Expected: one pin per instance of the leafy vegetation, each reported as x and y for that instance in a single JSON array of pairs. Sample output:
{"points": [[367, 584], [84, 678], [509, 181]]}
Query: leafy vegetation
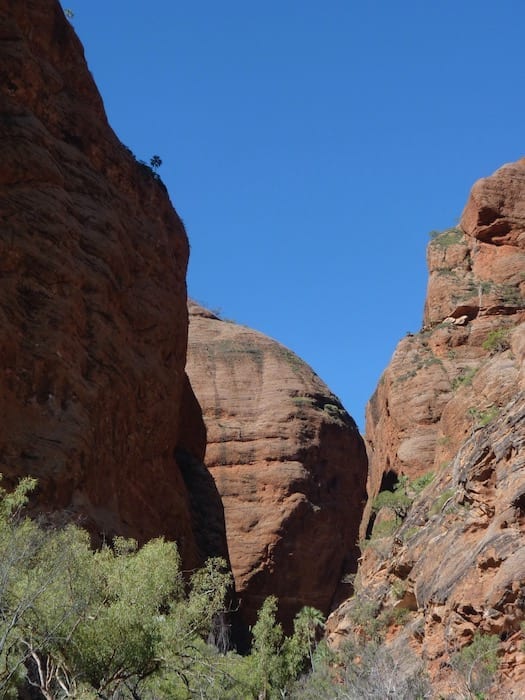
{"points": [[419, 361], [497, 341], [386, 528], [445, 238], [482, 417], [123, 622], [410, 532], [477, 663], [397, 500], [421, 482], [155, 162], [506, 294], [151, 169], [439, 504], [364, 670], [464, 378], [79, 623], [399, 588], [402, 496]]}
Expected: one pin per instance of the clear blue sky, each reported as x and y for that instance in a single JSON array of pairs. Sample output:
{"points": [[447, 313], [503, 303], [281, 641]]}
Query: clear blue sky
{"points": [[310, 147]]}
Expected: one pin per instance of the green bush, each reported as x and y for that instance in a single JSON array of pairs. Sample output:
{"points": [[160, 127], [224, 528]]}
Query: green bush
{"points": [[410, 532], [421, 482], [477, 663], [483, 417], [437, 506], [397, 500], [497, 341], [122, 622], [445, 238], [385, 528], [368, 670], [76, 622], [464, 378], [394, 616], [401, 498], [365, 615], [399, 588]]}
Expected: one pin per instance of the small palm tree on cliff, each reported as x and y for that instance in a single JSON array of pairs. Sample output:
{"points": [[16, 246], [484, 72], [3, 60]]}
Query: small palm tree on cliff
{"points": [[155, 162]]}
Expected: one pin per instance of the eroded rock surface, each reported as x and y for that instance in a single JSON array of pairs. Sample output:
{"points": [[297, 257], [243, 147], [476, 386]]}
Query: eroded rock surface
{"points": [[459, 368], [451, 404], [92, 298], [288, 462]]}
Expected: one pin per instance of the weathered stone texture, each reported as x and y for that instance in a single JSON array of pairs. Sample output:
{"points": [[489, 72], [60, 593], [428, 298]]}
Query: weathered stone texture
{"points": [[452, 403], [92, 297], [426, 402], [288, 462]]}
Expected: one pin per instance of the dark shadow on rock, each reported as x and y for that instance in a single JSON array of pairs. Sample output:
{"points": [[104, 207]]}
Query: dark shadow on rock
{"points": [[207, 514]]}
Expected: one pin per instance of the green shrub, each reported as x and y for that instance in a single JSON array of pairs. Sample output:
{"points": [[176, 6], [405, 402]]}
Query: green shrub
{"points": [[421, 482], [497, 341], [396, 500], [445, 238], [365, 615], [464, 378], [385, 528], [438, 505], [398, 588], [121, 622], [303, 400], [409, 533], [477, 663], [400, 499], [483, 417], [394, 616], [510, 294], [408, 375]]}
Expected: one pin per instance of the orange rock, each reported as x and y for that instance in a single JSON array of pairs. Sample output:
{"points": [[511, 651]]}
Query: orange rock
{"points": [[452, 402], [444, 379], [288, 462], [92, 298]]}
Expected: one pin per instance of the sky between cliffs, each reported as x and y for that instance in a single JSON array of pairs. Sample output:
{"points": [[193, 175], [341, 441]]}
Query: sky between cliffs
{"points": [[310, 147]]}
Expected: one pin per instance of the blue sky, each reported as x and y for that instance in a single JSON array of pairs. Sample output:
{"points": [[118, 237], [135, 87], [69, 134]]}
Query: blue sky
{"points": [[310, 147]]}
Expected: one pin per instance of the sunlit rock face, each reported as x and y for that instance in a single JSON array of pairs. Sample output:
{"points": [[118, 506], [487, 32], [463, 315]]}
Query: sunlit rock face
{"points": [[288, 462], [451, 403], [420, 413]]}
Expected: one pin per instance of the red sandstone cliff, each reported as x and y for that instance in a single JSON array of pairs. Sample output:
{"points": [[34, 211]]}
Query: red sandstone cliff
{"points": [[452, 404], [441, 379], [92, 302], [288, 462]]}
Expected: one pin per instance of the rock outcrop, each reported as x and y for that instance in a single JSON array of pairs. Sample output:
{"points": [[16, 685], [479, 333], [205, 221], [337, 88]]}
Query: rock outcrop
{"points": [[92, 300], [450, 410], [288, 462], [443, 380]]}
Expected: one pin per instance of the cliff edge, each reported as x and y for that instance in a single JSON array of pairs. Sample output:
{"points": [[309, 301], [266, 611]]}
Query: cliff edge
{"points": [[442, 536], [93, 395]]}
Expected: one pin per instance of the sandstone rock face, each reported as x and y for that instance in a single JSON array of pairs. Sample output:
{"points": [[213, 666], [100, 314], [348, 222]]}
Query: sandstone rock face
{"points": [[288, 462], [457, 562], [92, 298], [441, 378], [452, 404]]}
